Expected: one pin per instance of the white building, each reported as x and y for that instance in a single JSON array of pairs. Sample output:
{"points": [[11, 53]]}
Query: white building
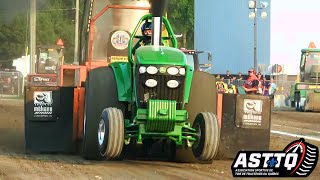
{"points": [[22, 64]]}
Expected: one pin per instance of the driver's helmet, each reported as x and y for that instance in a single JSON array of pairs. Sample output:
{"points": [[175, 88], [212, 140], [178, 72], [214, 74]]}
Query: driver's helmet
{"points": [[146, 29]]}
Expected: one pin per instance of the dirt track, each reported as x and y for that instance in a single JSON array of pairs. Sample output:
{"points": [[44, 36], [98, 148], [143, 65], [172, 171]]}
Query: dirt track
{"points": [[14, 164]]}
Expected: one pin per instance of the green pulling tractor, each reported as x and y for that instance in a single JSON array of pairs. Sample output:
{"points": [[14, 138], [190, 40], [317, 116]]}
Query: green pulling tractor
{"points": [[143, 101], [305, 94]]}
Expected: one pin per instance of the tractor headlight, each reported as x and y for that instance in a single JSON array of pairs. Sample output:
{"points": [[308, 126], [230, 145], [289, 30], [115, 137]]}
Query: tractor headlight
{"points": [[152, 70], [173, 70], [173, 84], [151, 83], [182, 71], [142, 69]]}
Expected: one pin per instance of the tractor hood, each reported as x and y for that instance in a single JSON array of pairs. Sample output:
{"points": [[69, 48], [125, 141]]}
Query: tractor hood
{"points": [[160, 55]]}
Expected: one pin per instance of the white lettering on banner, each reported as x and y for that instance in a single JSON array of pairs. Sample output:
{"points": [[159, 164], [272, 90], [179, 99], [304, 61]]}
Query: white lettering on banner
{"points": [[39, 79], [254, 160]]}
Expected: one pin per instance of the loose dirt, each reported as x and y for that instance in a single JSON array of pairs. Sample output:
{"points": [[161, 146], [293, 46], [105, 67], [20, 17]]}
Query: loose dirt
{"points": [[15, 164]]}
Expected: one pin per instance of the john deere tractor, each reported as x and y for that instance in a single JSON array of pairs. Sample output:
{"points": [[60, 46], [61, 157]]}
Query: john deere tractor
{"points": [[123, 100], [148, 100], [305, 94]]}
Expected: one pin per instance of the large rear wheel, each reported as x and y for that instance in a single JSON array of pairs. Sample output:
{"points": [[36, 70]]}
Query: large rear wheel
{"points": [[101, 92], [208, 131]]}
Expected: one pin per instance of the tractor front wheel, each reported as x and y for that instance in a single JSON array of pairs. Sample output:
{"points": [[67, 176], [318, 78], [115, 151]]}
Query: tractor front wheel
{"points": [[111, 133], [205, 148]]}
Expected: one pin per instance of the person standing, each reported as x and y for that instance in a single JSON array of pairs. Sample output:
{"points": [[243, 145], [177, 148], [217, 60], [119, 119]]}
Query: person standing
{"points": [[273, 87], [239, 77], [228, 76], [252, 83], [266, 86]]}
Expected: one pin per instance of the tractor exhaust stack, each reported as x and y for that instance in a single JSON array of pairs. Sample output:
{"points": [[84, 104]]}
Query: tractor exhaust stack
{"points": [[158, 9]]}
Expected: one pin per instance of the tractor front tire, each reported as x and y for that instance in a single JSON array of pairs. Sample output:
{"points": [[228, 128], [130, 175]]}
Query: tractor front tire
{"points": [[205, 148], [111, 133]]}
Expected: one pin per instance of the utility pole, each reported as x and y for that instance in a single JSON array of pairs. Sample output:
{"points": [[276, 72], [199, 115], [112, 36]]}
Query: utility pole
{"points": [[255, 37], [253, 15], [76, 34], [33, 17]]}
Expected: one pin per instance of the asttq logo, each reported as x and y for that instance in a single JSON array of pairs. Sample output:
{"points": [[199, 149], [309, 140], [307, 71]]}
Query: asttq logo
{"points": [[298, 159]]}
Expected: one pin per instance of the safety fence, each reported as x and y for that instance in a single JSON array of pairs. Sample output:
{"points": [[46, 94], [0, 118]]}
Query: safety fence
{"points": [[11, 84]]}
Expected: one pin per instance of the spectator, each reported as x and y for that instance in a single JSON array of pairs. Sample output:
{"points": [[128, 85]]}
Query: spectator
{"points": [[228, 76], [232, 80], [266, 86], [260, 88], [252, 83], [239, 77], [220, 88], [272, 91], [273, 87]]}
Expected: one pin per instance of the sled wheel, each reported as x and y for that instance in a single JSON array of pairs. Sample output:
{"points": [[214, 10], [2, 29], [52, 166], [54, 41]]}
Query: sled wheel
{"points": [[111, 133], [205, 148]]}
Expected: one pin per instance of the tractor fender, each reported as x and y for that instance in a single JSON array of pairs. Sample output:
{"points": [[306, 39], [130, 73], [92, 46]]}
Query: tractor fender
{"points": [[123, 75]]}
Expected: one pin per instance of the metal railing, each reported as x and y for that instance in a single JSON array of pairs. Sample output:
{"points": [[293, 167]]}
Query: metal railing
{"points": [[11, 84]]}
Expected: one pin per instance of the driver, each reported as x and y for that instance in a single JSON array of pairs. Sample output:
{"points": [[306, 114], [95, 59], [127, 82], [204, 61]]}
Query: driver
{"points": [[146, 30]]}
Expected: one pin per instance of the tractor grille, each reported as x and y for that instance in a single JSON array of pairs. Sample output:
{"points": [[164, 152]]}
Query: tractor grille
{"points": [[161, 91]]}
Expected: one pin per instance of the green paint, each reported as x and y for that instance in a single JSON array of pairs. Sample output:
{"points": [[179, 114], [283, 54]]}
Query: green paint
{"points": [[175, 127], [305, 85], [148, 17], [123, 76], [161, 55], [161, 115], [161, 118]]}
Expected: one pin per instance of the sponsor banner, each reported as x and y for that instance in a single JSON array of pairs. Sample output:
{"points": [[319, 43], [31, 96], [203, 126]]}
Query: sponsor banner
{"points": [[42, 101]]}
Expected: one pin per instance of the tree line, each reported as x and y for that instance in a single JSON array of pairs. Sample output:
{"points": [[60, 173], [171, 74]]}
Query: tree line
{"points": [[55, 19]]}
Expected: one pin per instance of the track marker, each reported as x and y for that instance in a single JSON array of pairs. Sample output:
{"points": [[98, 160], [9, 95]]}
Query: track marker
{"points": [[295, 135], [302, 129]]}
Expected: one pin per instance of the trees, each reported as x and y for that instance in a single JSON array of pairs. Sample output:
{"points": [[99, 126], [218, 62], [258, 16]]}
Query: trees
{"points": [[12, 38], [54, 21], [181, 16]]}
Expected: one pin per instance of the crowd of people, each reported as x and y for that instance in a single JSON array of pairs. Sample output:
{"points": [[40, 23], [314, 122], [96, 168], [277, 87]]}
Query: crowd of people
{"points": [[256, 83], [253, 83]]}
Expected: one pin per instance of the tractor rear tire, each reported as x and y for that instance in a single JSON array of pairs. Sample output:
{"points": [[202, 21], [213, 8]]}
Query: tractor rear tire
{"points": [[111, 133], [101, 92], [202, 98], [208, 130]]}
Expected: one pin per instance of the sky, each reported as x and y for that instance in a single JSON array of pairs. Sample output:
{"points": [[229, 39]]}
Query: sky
{"points": [[294, 23]]}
